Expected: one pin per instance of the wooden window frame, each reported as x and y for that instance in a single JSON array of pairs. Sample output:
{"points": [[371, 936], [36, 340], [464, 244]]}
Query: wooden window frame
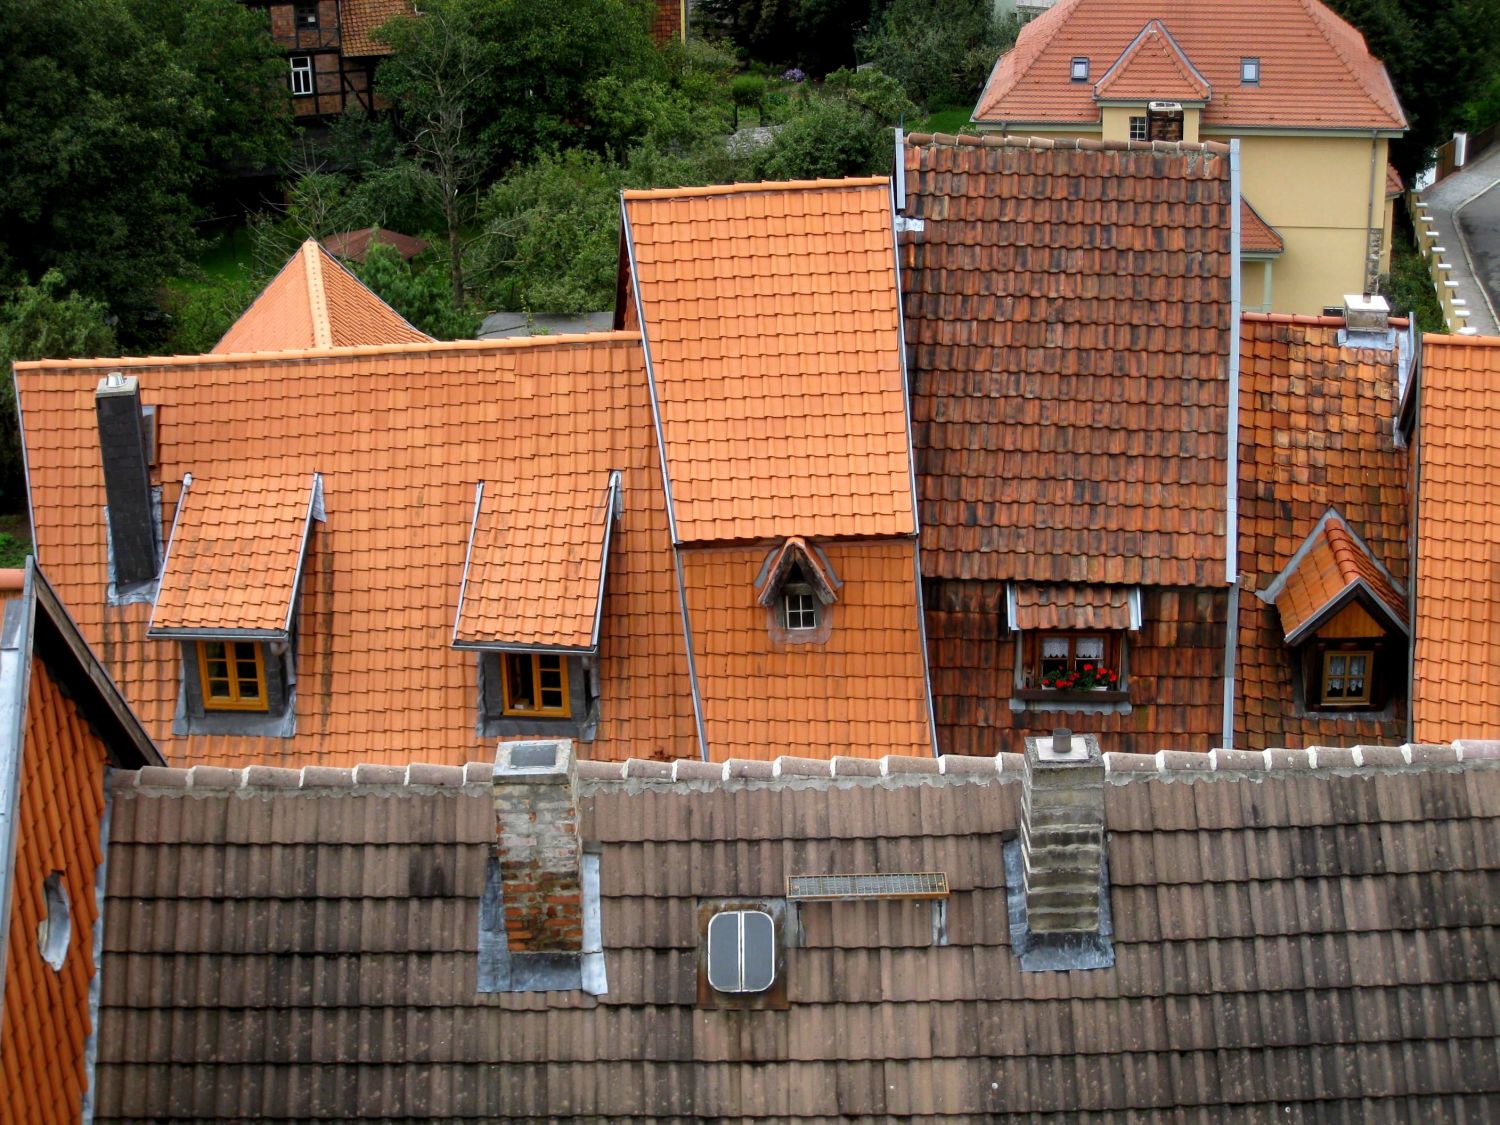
{"points": [[1032, 648], [307, 69], [237, 699], [565, 711], [1362, 702], [297, 12]]}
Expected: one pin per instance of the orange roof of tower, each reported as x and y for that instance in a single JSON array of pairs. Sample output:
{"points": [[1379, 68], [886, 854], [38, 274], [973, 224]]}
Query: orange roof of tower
{"points": [[314, 302]]}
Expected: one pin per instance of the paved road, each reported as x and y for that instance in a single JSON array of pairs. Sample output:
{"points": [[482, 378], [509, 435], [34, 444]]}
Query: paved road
{"points": [[1466, 212], [1479, 220]]}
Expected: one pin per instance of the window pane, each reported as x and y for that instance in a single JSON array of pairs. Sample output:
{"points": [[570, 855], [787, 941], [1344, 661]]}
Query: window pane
{"points": [[760, 951], [1090, 649], [724, 951], [1336, 665], [520, 689], [218, 689]]}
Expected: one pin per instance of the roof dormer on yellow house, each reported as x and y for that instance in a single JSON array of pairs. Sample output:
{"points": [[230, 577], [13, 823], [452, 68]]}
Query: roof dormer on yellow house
{"points": [[1312, 109]]}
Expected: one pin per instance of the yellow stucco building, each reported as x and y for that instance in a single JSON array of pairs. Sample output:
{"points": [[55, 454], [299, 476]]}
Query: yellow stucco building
{"points": [[1312, 109]]}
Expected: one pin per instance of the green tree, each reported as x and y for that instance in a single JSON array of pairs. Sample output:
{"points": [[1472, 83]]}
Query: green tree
{"points": [[1439, 53], [418, 292], [845, 130], [110, 135], [940, 52], [42, 321], [438, 75]]}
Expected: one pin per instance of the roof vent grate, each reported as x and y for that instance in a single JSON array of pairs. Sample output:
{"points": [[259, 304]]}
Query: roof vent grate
{"points": [[914, 884]]}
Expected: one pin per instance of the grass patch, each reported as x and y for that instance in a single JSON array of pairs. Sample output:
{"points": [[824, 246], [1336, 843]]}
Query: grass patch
{"points": [[948, 119]]}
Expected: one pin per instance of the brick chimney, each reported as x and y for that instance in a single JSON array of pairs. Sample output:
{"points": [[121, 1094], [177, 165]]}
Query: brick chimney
{"points": [[536, 843], [1062, 834], [127, 479]]}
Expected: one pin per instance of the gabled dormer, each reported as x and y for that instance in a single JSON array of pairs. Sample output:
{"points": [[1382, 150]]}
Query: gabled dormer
{"points": [[1344, 619], [798, 588]]}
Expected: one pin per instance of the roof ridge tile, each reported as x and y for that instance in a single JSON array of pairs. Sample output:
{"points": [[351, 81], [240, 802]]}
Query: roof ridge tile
{"points": [[694, 775]]}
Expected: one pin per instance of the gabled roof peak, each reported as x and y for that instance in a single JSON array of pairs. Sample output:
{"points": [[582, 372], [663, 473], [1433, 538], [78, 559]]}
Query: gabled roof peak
{"points": [[1153, 66], [314, 302]]}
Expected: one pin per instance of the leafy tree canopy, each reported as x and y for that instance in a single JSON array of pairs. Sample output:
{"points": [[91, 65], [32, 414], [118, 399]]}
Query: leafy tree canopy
{"points": [[42, 321], [116, 123], [939, 51], [1439, 53]]}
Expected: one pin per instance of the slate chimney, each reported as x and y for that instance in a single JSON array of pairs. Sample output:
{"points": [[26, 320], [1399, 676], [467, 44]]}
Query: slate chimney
{"points": [[1062, 834], [127, 479], [536, 843]]}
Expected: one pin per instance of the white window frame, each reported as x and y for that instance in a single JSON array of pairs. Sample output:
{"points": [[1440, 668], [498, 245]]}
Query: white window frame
{"points": [[799, 609], [730, 925], [303, 82], [1140, 128]]}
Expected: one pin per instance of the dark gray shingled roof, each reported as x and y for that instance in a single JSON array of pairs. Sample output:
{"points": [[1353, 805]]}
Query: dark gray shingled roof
{"points": [[1298, 937]]}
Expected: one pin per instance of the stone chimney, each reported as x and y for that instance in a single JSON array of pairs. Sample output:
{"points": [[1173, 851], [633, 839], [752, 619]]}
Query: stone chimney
{"points": [[127, 479], [1062, 834], [536, 843]]}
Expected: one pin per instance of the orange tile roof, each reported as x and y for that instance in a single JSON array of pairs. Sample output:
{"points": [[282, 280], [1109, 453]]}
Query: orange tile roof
{"points": [[1331, 563], [401, 435], [1040, 606], [537, 559], [314, 302], [1315, 70], [362, 18], [1256, 235], [1458, 512], [1315, 433], [1153, 67], [772, 325], [865, 687], [1070, 397], [234, 558], [1393, 184]]}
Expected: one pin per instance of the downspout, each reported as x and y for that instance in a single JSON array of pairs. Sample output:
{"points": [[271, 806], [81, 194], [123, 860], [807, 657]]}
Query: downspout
{"points": [[1372, 268], [666, 482], [898, 205], [1232, 482]]}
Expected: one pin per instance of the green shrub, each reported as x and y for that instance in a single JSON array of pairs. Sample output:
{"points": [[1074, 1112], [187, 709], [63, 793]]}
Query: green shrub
{"points": [[939, 51], [418, 290], [13, 551]]}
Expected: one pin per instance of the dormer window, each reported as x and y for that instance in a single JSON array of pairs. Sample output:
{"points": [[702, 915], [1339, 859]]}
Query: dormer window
{"points": [[536, 684], [798, 588], [1347, 678], [1078, 69], [231, 594], [1344, 619], [1071, 643], [1250, 72], [232, 675], [799, 608]]}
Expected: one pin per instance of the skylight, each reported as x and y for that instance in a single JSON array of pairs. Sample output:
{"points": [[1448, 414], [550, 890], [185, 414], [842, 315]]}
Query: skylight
{"points": [[1250, 71], [1079, 69]]}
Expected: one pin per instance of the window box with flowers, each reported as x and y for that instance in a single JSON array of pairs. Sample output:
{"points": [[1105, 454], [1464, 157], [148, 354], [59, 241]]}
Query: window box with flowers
{"points": [[1072, 667]]}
